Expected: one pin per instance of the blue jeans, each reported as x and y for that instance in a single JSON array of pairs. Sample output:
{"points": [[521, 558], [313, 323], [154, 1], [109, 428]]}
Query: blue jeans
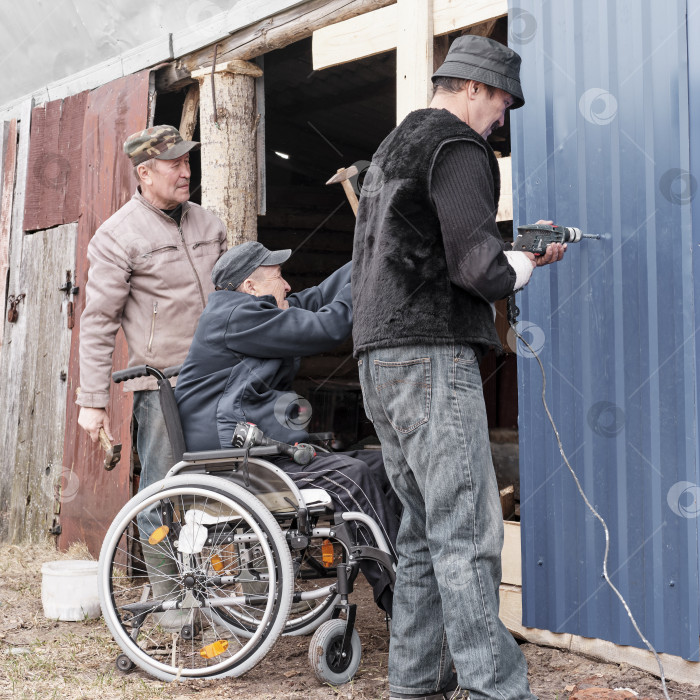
{"points": [[427, 406], [153, 447]]}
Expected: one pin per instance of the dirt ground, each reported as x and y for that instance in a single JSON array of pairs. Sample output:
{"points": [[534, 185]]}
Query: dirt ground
{"points": [[47, 660]]}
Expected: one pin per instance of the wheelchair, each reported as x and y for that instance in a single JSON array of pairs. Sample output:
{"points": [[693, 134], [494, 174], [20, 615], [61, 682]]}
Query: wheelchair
{"points": [[200, 573]]}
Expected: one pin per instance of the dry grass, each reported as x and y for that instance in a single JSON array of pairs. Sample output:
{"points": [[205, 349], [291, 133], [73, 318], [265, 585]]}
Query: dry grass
{"points": [[49, 660]]}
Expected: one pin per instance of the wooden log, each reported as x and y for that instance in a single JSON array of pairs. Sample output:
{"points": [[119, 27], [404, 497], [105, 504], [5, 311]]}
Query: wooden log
{"points": [[229, 150], [280, 30], [414, 56], [188, 122]]}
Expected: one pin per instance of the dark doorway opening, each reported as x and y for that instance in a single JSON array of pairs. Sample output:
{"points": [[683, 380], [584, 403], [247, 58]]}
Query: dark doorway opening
{"points": [[315, 123]]}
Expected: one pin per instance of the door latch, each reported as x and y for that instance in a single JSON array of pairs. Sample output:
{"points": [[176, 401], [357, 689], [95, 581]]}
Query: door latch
{"points": [[14, 301]]}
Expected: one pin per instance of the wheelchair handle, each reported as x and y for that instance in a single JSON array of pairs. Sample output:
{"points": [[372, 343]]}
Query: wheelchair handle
{"points": [[124, 375]]}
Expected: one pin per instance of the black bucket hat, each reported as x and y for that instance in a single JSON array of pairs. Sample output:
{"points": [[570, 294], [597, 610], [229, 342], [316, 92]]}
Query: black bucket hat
{"points": [[474, 57], [238, 263]]}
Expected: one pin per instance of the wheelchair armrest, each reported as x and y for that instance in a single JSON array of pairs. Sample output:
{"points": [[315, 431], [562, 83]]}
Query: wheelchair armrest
{"points": [[212, 455]]}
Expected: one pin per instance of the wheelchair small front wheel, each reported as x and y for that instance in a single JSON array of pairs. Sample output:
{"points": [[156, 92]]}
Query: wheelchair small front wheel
{"points": [[326, 656]]}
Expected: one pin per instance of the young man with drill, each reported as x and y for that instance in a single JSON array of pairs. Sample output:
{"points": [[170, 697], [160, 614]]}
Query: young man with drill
{"points": [[428, 262]]}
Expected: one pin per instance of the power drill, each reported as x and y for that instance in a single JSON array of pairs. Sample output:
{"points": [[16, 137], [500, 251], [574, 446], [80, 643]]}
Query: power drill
{"points": [[247, 435], [535, 238]]}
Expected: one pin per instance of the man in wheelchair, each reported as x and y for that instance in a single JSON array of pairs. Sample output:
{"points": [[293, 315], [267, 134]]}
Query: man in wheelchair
{"points": [[240, 367]]}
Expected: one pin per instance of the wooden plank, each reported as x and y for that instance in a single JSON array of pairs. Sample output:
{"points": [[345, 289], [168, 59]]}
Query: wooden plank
{"points": [[113, 112], [8, 190], [511, 554], [505, 203], [281, 30], [11, 358], [260, 138], [190, 110], [32, 466], [374, 33], [452, 15], [53, 185], [675, 668], [414, 56], [507, 496], [359, 37]]}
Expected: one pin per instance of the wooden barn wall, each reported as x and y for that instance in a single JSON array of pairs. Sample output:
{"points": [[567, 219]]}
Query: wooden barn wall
{"points": [[31, 470], [14, 334], [53, 176], [9, 161], [113, 112]]}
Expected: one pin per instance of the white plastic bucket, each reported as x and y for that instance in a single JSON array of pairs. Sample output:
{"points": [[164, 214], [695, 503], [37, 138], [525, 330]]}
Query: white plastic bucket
{"points": [[69, 589]]}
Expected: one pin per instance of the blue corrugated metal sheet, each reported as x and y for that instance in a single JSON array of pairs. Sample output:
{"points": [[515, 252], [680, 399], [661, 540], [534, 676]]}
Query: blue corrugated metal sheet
{"points": [[603, 143], [693, 14]]}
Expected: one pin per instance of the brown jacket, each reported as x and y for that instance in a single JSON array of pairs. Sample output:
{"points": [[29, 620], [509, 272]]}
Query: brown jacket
{"points": [[152, 279]]}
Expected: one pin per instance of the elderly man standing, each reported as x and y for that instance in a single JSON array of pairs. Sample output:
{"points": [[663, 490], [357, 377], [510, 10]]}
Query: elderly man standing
{"points": [[243, 359], [428, 261], [150, 273]]}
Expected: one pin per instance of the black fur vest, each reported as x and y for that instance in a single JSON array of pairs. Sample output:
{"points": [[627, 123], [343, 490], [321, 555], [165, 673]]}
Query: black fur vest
{"points": [[400, 288]]}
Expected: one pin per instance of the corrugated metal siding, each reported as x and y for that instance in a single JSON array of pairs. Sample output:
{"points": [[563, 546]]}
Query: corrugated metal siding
{"points": [[693, 30], [603, 144]]}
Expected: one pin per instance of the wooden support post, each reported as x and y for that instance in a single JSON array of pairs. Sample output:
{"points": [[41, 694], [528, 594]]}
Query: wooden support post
{"points": [[229, 161], [414, 56], [188, 122]]}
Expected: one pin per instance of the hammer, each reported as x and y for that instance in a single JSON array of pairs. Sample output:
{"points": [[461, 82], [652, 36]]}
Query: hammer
{"points": [[112, 452], [343, 176]]}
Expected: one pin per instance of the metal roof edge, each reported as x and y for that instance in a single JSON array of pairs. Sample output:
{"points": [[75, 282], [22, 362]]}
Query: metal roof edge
{"points": [[164, 48]]}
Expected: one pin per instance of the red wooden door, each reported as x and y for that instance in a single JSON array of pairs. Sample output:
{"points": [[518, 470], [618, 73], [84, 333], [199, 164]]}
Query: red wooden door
{"points": [[113, 112]]}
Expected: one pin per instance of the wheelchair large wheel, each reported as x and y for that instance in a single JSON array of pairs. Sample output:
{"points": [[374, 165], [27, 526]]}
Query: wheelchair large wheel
{"points": [[168, 591]]}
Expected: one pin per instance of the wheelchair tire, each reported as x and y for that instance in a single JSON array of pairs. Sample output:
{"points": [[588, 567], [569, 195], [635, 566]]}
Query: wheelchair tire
{"points": [[325, 653], [235, 524]]}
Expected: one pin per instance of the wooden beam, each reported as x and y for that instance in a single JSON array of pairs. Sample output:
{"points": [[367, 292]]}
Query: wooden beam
{"points": [[675, 668], [188, 122], [505, 203], [360, 37], [370, 34], [171, 78], [414, 56], [452, 15], [281, 30]]}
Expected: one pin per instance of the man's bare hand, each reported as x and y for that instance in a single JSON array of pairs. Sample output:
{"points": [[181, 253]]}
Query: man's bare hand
{"points": [[92, 419], [554, 253]]}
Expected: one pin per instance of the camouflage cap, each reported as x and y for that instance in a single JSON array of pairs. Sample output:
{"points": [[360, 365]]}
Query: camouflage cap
{"points": [[163, 142]]}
